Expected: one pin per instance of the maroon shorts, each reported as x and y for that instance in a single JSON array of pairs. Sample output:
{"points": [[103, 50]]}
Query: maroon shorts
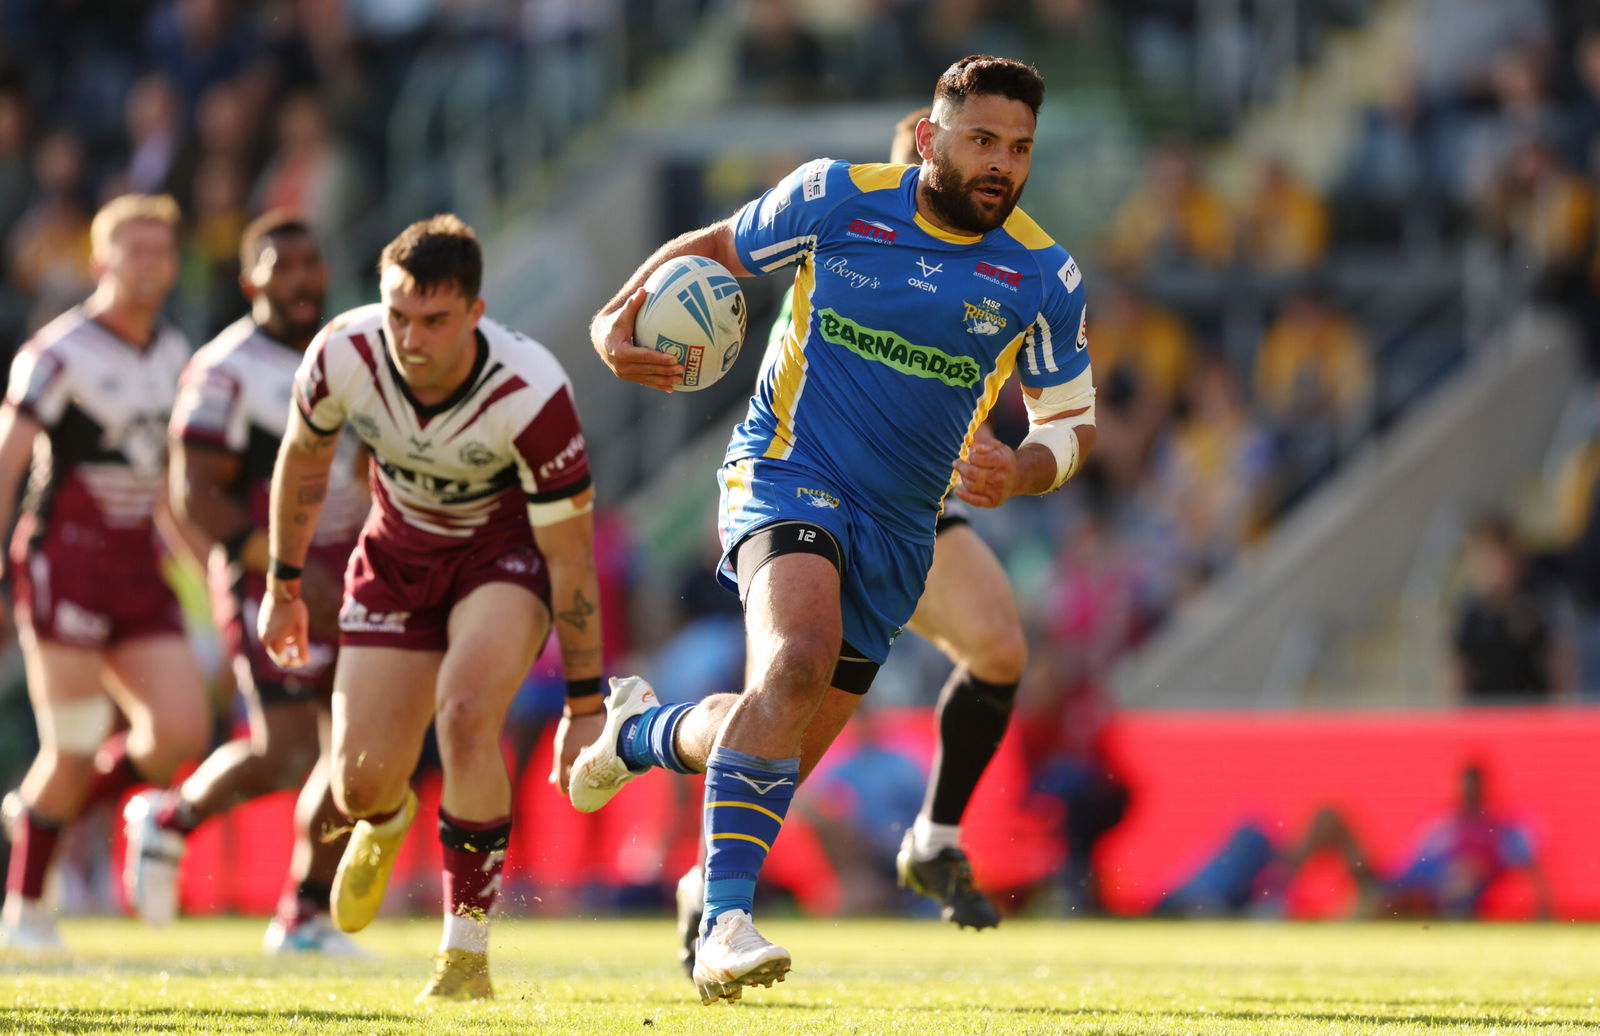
{"points": [[238, 604], [394, 597], [80, 598]]}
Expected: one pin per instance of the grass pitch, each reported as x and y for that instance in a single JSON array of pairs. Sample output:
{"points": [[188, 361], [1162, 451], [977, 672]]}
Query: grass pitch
{"points": [[852, 977]]}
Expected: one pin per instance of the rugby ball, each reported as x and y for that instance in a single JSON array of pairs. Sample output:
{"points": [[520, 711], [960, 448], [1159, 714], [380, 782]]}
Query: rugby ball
{"points": [[695, 313]]}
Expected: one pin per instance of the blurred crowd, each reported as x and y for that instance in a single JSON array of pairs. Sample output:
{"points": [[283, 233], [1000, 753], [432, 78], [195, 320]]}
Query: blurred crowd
{"points": [[319, 106], [1210, 428]]}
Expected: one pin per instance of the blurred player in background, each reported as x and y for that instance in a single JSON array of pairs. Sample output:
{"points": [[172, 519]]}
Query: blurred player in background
{"points": [[833, 485], [100, 629], [229, 419], [968, 612], [481, 540]]}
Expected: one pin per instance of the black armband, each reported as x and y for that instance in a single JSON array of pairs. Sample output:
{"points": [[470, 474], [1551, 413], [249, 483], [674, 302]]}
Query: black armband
{"points": [[284, 571], [583, 688]]}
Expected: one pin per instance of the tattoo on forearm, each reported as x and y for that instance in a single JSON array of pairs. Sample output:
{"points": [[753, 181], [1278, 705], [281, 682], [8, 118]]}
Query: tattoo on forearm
{"points": [[312, 492], [578, 615]]}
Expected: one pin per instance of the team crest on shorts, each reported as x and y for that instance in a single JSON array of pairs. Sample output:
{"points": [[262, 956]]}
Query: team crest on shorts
{"points": [[816, 497]]}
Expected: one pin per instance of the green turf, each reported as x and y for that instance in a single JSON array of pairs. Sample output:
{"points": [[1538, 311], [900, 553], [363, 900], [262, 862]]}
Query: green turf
{"points": [[856, 977]]}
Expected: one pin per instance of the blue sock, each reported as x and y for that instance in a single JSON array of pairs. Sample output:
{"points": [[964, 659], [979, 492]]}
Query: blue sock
{"points": [[746, 798], [646, 740]]}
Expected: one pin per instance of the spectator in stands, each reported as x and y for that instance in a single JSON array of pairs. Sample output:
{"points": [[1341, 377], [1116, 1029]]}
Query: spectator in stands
{"points": [[1505, 645], [1384, 189], [195, 43], [1543, 215], [1284, 227], [155, 135], [1576, 532], [47, 250], [310, 173], [1146, 355], [779, 59], [1173, 218], [1457, 41], [1210, 477], [1314, 384], [16, 187], [1583, 127], [1459, 857]]}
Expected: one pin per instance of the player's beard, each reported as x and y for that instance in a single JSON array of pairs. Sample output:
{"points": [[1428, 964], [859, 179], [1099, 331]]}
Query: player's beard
{"points": [[951, 197], [296, 331]]}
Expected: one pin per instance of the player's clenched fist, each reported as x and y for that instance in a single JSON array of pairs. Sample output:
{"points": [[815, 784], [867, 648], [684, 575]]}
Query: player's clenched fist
{"points": [[284, 626]]}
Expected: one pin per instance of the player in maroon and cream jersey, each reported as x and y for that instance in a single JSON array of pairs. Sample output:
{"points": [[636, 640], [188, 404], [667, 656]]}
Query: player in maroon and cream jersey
{"points": [[229, 419], [88, 403], [481, 540]]}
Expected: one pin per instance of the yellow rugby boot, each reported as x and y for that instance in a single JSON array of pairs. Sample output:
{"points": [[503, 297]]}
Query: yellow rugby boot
{"points": [[364, 870], [457, 975]]}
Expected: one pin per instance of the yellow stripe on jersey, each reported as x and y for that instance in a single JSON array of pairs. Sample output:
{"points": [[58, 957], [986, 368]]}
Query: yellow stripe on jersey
{"points": [[737, 478], [1003, 366], [1027, 233], [944, 235], [789, 371], [877, 176]]}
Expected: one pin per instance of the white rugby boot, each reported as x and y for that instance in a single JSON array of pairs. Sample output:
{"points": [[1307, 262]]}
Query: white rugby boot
{"points": [[28, 928], [315, 935], [734, 955], [150, 868], [599, 772]]}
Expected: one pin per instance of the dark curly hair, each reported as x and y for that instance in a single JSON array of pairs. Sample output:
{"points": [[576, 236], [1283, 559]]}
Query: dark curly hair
{"points": [[987, 74]]}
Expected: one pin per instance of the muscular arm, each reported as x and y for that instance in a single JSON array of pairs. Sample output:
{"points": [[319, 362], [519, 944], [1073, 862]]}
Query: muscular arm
{"points": [[201, 491], [299, 488], [568, 548], [993, 473], [611, 330]]}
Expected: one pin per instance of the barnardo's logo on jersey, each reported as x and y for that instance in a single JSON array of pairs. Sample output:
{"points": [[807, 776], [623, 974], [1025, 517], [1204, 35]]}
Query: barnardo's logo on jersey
{"points": [[983, 318], [872, 230], [839, 267], [477, 454], [1083, 328], [1002, 275], [891, 350], [816, 497]]}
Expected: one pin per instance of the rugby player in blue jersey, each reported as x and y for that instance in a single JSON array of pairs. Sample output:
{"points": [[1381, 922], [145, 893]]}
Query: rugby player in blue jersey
{"points": [[968, 612], [917, 291]]}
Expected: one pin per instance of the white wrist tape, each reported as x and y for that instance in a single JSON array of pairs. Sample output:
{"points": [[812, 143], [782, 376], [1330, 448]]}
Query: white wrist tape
{"points": [[1059, 435]]}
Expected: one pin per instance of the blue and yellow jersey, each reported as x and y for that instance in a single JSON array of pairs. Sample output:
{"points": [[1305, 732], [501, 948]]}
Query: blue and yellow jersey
{"points": [[902, 333]]}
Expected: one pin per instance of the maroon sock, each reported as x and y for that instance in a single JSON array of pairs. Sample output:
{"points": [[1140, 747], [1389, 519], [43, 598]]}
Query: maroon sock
{"points": [[300, 901], [114, 772], [474, 854], [174, 814], [33, 846]]}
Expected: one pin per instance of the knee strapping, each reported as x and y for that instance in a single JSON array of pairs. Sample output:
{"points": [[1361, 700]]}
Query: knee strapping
{"points": [[75, 727]]}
